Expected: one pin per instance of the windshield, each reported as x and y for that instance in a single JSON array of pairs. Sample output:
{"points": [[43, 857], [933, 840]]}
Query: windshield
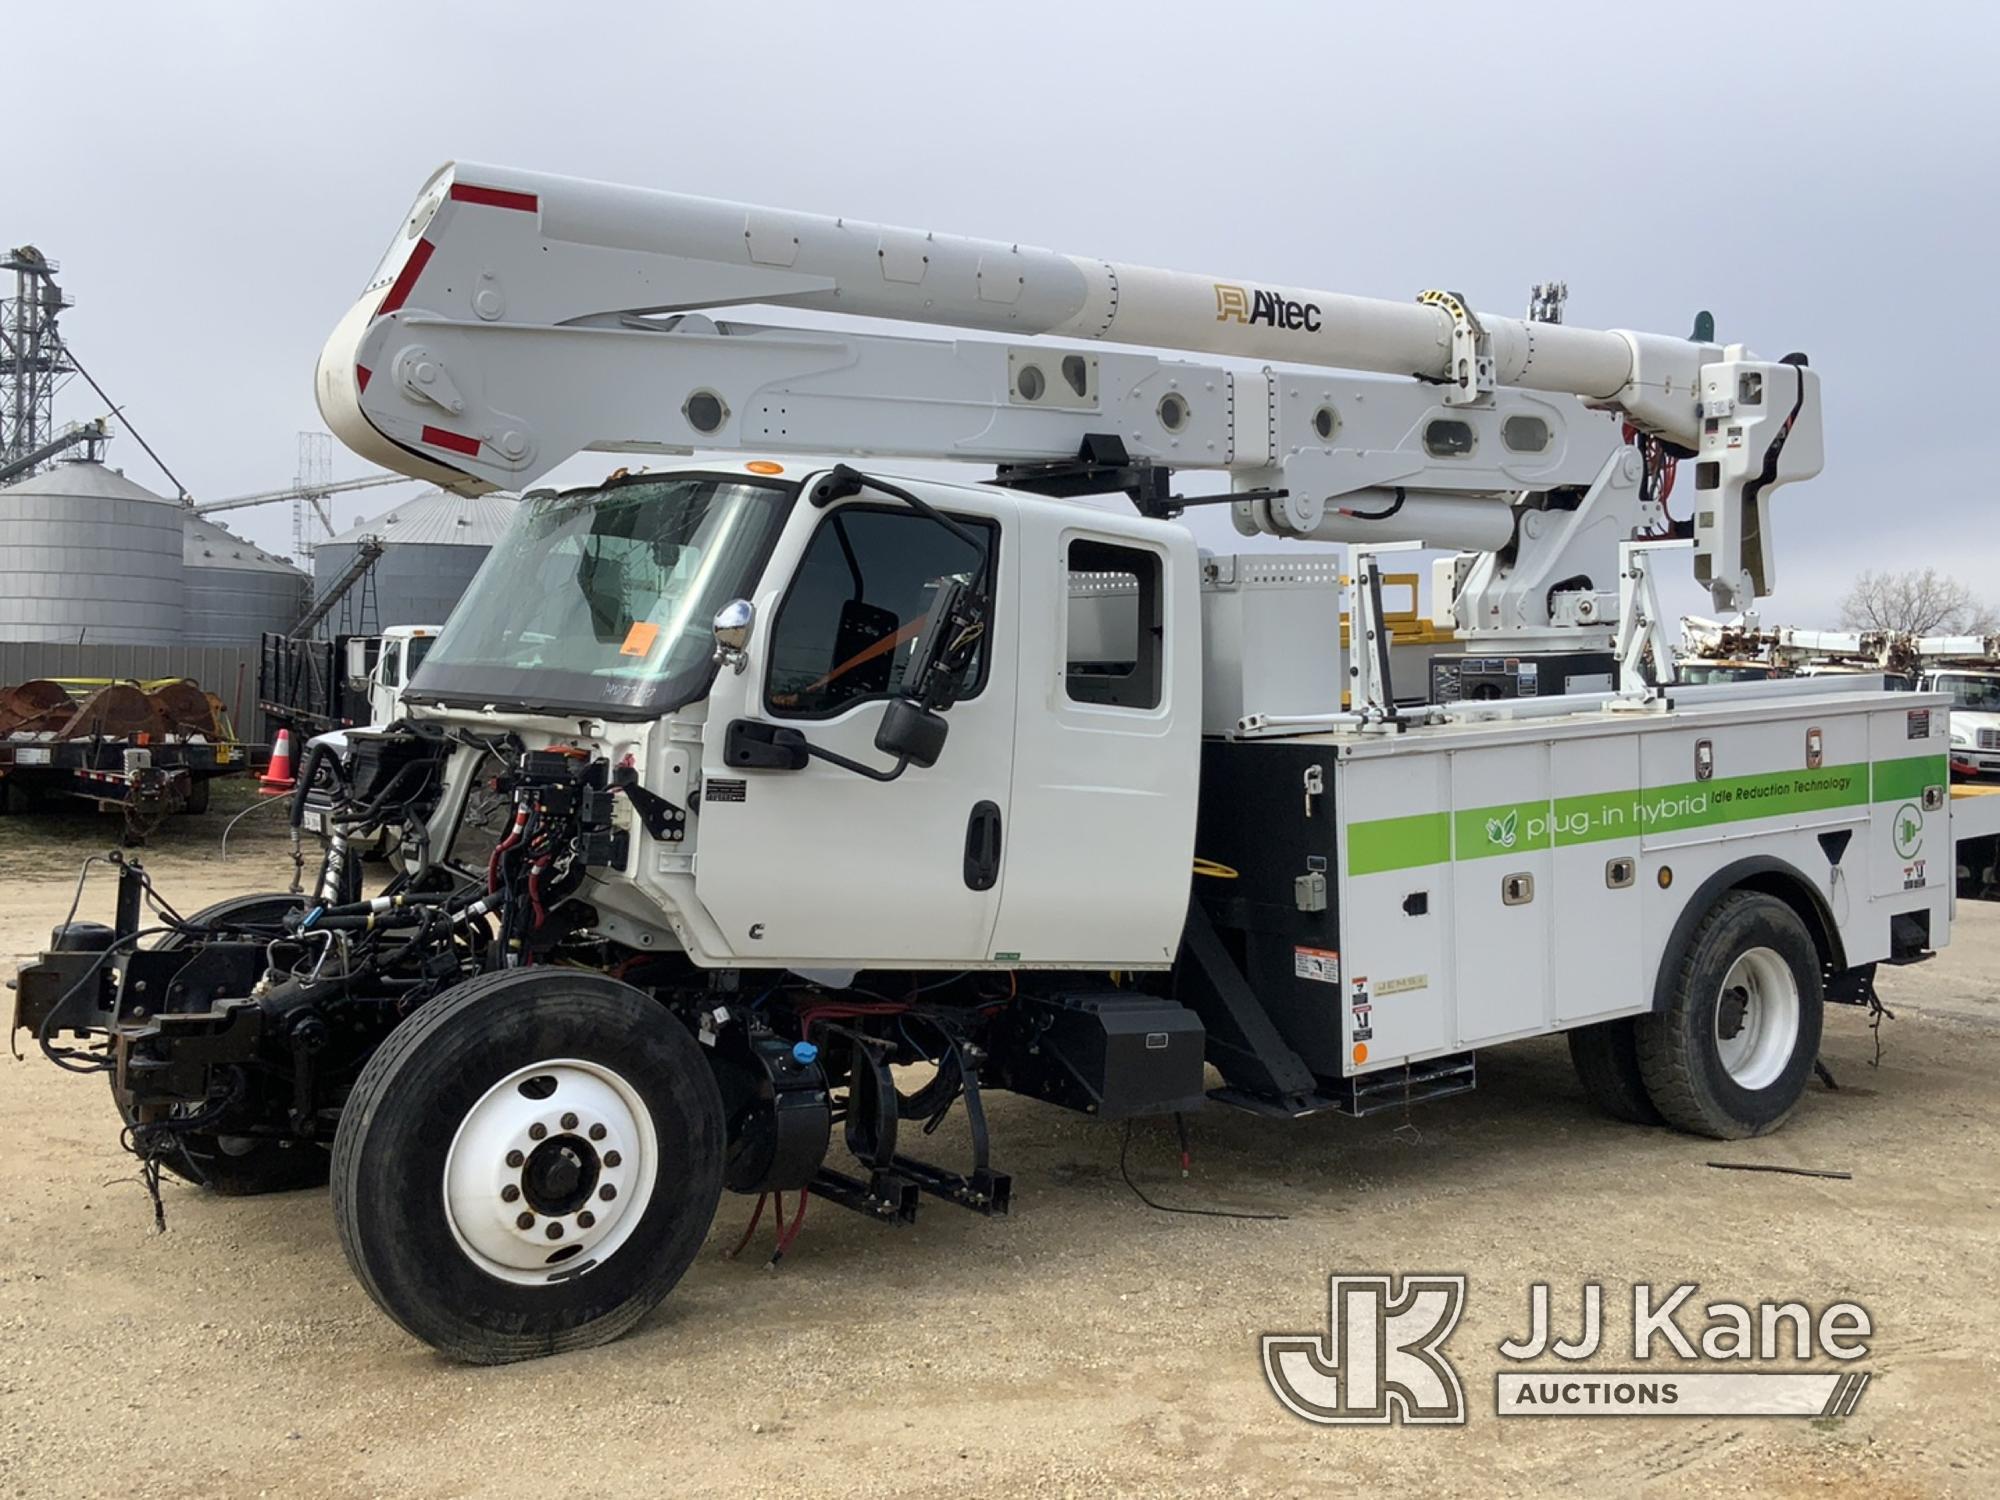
{"points": [[1980, 694], [601, 599]]}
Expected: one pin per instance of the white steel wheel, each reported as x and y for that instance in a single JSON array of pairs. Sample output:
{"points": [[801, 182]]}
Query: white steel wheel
{"points": [[550, 1171], [528, 1164], [1728, 1049], [1757, 1019]]}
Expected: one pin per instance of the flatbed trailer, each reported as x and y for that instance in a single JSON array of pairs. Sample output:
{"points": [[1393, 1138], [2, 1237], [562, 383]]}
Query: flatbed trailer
{"points": [[145, 750]]}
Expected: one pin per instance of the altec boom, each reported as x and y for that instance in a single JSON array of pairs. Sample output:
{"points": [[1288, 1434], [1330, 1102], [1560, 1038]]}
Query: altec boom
{"points": [[500, 273]]}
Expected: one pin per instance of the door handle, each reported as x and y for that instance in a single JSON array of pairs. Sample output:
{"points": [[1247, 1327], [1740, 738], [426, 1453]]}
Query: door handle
{"points": [[982, 847]]}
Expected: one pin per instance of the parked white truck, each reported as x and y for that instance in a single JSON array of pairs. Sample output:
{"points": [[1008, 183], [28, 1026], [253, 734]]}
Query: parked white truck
{"points": [[812, 772]]}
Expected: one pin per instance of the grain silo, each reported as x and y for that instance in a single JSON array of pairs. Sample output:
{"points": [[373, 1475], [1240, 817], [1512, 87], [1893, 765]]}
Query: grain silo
{"points": [[432, 545], [87, 555], [235, 589]]}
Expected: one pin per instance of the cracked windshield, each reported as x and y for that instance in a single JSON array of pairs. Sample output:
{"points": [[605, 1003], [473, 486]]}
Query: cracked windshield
{"points": [[602, 598]]}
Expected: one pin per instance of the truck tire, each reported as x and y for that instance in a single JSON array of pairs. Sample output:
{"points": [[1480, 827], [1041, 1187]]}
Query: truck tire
{"points": [[1731, 1053], [1606, 1059], [243, 1166], [528, 1165], [197, 797]]}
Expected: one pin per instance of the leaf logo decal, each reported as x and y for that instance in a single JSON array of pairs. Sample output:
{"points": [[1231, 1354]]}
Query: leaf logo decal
{"points": [[1501, 831]]}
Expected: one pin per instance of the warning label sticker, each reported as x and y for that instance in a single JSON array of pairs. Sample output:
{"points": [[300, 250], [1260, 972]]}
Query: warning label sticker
{"points": [[1320, 965]]}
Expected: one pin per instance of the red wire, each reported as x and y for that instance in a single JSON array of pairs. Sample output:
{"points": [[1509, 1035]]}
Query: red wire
{"points": [[786, 1237], [750, 1228]]}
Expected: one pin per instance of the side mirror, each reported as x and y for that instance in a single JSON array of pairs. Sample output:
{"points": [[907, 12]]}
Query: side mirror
{"points": [[911, 732], [731, 627]]}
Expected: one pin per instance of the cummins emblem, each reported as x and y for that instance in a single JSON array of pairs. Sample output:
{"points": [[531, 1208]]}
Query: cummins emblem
{"points": [[1235, 304]]}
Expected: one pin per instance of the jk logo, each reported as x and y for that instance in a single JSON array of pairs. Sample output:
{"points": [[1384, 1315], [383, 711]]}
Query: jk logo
{"points": [[1381, 1359]]}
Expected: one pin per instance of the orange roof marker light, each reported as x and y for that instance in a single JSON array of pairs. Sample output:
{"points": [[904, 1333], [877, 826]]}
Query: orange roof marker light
{"points": [[764, 466]]}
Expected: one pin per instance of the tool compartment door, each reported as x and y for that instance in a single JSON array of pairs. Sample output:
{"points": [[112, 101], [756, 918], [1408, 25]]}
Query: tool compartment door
{"points": [[1502, 890], [1596, 952], [1395, 908]]}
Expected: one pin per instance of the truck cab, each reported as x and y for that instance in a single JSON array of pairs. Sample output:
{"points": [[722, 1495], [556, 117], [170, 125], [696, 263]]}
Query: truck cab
{"points": [[1975, 714], [380, 667], [1053, 824]]}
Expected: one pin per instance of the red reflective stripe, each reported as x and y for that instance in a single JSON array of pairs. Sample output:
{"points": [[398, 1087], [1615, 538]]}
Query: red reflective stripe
{"points": [[361, 374], [437, 437], [406, 279], [465, 192]]}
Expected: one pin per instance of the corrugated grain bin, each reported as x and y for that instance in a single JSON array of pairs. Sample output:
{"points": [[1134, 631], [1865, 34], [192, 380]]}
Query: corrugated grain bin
{"points": [[235, 589], [432, 547], [88, 555]]}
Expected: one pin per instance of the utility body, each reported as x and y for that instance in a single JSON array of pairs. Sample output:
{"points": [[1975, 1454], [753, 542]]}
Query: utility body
{"points": [[736, 796]]}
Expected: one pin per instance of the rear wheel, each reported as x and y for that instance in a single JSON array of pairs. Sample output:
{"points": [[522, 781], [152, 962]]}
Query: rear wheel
{"points": [[1731, 1054], [1606, 1058], [198, 794], [528, 1165], [243, 1166]]}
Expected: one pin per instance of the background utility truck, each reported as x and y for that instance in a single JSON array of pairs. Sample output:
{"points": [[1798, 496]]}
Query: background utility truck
{"points": [[1966, 668], [310, 685], [835, 799]]}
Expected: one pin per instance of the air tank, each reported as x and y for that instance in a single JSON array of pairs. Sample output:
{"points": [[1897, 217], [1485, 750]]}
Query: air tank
{"points": [[87, 555]]}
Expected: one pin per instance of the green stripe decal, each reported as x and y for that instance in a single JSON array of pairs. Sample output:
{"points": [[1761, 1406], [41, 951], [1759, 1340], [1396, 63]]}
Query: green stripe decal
{"points": [[1397, 843], [1905, 780], [1379, 844]]}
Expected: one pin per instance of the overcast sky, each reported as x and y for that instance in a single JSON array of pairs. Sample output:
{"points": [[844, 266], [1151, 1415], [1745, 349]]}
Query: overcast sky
{"points": [[217, 181]]}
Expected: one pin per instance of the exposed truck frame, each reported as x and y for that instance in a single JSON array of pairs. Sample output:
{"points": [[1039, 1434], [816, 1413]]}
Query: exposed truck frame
{"points": [[834, 798]]}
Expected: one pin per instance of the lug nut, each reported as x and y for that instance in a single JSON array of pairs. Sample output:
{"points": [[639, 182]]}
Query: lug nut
{"points": [[537, 1130], [515, 1158], [555, 1231], [612, 1158], [585, 1219], [569, 1121], [607, 1192], [597, 1132], [525, 1221], [509, 1193]]}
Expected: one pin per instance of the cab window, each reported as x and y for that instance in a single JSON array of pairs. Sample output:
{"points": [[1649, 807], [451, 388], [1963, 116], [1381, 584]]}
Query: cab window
{"points": [[1116, 635], [848, 627]]}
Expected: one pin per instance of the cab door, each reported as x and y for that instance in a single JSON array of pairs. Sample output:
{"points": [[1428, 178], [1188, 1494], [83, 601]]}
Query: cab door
{"points": [[821, 867]]}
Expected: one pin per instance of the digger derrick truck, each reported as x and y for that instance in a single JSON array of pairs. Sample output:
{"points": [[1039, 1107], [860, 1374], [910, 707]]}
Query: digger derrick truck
{"points": [[835, 799]]}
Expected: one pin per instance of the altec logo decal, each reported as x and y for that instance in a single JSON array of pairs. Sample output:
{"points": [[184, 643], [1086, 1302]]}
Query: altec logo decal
{"points": [[1235, 304]]}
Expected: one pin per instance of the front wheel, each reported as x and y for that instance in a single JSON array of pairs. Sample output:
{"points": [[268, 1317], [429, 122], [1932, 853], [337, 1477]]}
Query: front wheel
{"points": [[1732, 1052], [528, 1165]]}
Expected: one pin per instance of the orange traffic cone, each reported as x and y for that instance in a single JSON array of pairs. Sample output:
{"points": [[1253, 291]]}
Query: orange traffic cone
{"points": [[277, 780]]}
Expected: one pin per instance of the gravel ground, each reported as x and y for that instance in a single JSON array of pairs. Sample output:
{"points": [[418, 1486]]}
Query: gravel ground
{"points": [[1086, 1345]]}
